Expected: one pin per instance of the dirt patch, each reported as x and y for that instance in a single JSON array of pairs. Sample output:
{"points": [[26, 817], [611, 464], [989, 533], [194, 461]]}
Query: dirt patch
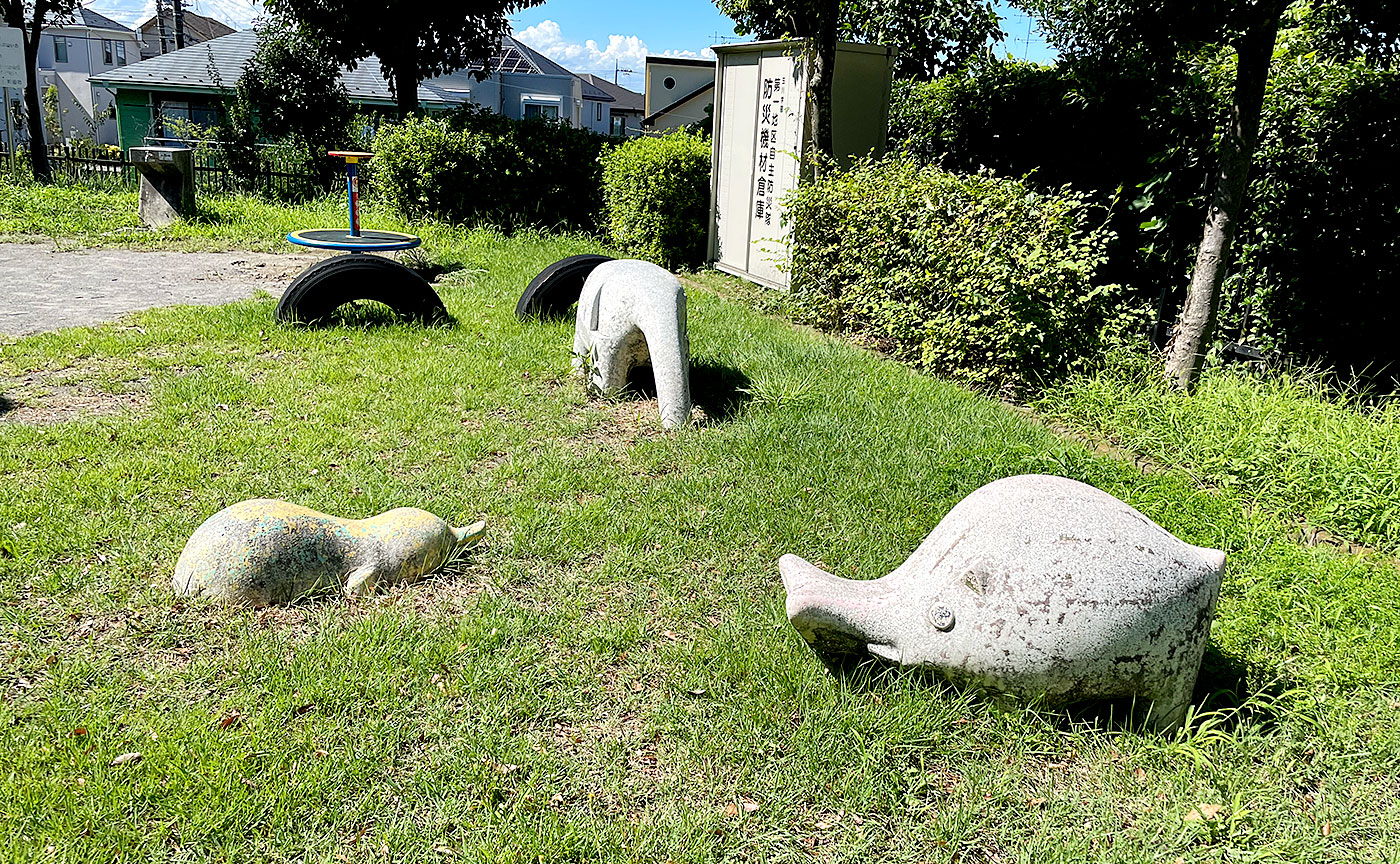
{"points": [[48, 397]]}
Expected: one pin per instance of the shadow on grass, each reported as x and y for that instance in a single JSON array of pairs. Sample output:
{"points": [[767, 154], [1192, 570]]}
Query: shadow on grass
{"points": [[369, 315], [7, 405], [1226, 689], [719, 390]]}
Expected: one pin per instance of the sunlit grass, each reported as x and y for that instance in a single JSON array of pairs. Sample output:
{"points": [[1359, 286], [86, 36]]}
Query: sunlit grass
{"points": [[1289, 440], [611, 676]]}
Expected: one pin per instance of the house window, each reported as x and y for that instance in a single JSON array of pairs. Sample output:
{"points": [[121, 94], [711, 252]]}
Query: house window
{"points": [[121, 53], [539, 106], [619, 124], [669, 83], [60, 49], [600, 112], [107, 51]]}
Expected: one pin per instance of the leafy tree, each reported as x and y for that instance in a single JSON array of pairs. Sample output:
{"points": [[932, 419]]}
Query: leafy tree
{"points": [[413, 40], [814, 20], [291, 88], [31, 17], [930, 35], [1151, 34]]}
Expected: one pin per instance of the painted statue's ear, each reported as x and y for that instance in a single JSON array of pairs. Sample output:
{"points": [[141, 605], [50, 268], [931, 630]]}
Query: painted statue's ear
{"points": [[470, 535]]}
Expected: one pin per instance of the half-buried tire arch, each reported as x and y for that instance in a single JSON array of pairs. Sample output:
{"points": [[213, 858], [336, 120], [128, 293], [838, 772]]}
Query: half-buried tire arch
{"points": [[550, 294], [327, 285]]}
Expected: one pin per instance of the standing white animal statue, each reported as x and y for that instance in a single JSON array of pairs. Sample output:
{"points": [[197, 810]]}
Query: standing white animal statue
{"points": [[631, 313], [264, 551], [1037, 586]]}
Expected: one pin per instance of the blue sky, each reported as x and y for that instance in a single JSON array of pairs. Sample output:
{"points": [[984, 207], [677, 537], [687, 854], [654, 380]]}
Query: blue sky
{"points": [[583, 35]]}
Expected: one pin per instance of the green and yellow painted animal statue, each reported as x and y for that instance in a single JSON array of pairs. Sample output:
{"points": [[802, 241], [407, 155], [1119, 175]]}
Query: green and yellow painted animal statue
{"points": [[263, 551]]}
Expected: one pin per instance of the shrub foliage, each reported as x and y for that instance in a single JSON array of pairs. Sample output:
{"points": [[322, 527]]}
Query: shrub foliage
{"points": [[972, 277], [476, 166], [1314, 263], [657, 194]]}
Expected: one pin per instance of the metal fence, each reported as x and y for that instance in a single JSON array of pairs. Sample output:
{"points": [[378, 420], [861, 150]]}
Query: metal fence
{"points": [[275, 174]]}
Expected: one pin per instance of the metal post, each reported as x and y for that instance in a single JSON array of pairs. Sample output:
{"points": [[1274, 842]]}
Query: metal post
{"points": [[352, 190]]}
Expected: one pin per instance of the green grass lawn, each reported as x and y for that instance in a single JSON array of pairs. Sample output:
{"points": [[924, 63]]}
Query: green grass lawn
{"points": [[1290, 441], [611, 676]]}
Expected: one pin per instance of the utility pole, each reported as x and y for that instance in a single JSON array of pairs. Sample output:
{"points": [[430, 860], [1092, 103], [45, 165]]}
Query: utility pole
{"points": [[160, 25], [179, 24], [617, 69]]}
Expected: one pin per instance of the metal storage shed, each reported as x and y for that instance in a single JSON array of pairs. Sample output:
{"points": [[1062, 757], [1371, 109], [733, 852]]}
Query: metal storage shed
{"points": [[761, 137]]}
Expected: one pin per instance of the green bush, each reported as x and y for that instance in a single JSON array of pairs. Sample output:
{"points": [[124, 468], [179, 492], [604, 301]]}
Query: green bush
{"points": [[474, 165], [657, 194], [1315, 255], [975, 278]]}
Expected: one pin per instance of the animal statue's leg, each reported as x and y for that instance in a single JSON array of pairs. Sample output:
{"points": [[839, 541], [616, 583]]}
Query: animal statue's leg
{"points": [[1170, 701], [668, 345], [360, 581]]}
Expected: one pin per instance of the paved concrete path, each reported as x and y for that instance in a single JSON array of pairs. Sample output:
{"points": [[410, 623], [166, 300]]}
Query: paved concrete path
{"points": [[43, 289]]}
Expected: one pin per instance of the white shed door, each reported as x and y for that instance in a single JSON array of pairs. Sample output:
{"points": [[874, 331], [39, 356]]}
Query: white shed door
{"points": [[777, 154], [734, 186]]}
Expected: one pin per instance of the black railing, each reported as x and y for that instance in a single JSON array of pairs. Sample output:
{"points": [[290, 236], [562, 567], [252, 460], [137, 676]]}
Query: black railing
{"points": [[276, 174]]}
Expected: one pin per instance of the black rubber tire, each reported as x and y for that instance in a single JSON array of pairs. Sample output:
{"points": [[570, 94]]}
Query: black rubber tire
{"points": [[550, 294], [327, 285]]}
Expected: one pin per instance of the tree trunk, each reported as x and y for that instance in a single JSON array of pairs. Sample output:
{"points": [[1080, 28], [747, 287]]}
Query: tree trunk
{"points": [[1197, 323], [823, 68], [406, 89], [34, 109]]}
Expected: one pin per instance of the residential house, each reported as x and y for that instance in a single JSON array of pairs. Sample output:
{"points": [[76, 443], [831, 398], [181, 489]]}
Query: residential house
{"points": [[524, 83], [69, 54], [157, 34], [627, 109], [191, 84], [680, 92]]}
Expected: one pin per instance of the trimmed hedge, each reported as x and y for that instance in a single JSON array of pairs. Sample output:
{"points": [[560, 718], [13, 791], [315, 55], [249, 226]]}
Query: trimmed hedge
{"points": [[975, 278], [474, 165], [656, 191]]}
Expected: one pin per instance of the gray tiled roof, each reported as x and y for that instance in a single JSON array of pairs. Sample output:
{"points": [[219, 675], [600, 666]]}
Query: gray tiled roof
{"points": [[89, 18], [545, 66], [623, 99], [218, 63]]}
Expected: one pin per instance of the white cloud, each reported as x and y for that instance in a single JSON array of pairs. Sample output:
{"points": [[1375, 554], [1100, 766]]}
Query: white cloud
{"points": [[238, 14], [627, 52]]}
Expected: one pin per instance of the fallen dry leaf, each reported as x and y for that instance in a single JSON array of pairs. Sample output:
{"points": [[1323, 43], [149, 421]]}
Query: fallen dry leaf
{"points": [[127, 759], [731, 809], [749, 805], [1036, 802], [79, 732], [1204, 813], [230, 720]]}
